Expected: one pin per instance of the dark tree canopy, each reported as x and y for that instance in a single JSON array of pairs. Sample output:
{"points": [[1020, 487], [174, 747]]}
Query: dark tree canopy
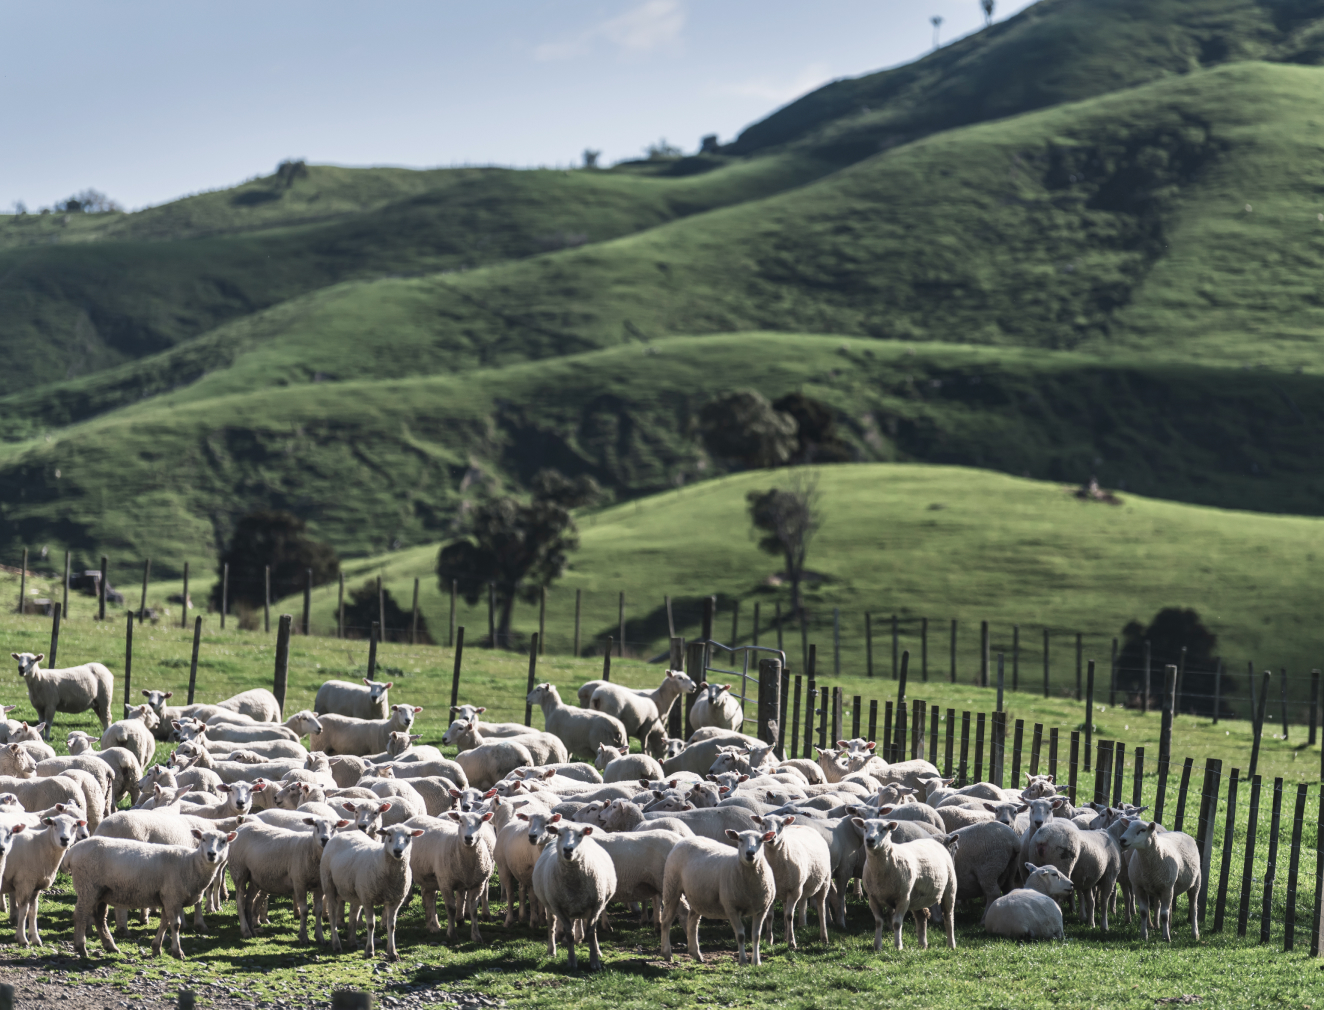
{"points": [[553, 486], [788, 517], [1170, 630], [816, 430], [363, 607], [278, 539], [516, 547], [742, 430]]}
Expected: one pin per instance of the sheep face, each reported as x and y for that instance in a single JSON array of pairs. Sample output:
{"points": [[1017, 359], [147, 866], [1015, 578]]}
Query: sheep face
{"points": [[543, 692], [399, 742], [366, 815], [568, 837], [672, 748], [323, 829], [749, 843], [157, 700], [877, 832], [1048, 880], [467, 712], [607, 754], [23, 764], [376, 689], [64, 828], [7, 837], [215, 845], [459, 732], [471, 826], [28, 663], [145, 713], [1138, 835], [304, 723], [538, 822], [289, 797], [398, 840], [26, 732], [80, 742]]}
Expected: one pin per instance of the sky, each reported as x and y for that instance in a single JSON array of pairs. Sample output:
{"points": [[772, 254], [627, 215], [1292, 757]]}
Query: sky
{"points": [[150, 100]]}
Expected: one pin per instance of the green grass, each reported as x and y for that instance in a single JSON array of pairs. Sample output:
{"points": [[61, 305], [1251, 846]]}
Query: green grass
{"points": [[512, 965]]}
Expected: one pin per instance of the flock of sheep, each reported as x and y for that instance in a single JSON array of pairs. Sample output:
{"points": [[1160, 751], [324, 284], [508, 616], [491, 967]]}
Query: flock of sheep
{"points": [[713, 826]]}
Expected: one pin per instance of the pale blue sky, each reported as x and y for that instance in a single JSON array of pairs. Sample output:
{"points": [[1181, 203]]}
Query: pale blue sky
{"points": [[148, 100]]}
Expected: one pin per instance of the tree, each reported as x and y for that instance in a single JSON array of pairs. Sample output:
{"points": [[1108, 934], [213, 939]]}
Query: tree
{"points": [[278, 539], [742, 429], [936, 21], [788, 518], [816, 430], [591, 157], [988, 11], [1171, 629], [518, 548], [363, 607]]}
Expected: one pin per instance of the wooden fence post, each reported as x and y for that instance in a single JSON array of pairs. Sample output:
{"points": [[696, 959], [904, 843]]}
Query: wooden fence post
{"points": [[675, 719], [901, 691], [1257, 726], [855, 704], [873, 721], [795, 716], [1103, 768], [933, 735], [696, 655], [1165, 739], [374, 636], [193, 665], [413, 620], [917, 716], [606, 661], [1052, 753], [1317, 917], [1282, 698], [980, 719], [1138, 779], [1248, 866], [578, 601], [142, 606], [770, 700], [1229, 839], [1074, 767], [101, 589], [1293, 866], [1119, 769], [949, 744], [811, 702], [887, 733], [1036, 747], [822, 717], [963, 773], [533, 678], [953, 674], [1204, 831], [542, 620], [128, 662], [1271, 868], [620, 623], [1000, 681], [1089, 714], [282, 674], [1180, 820], [1046, 687], [225, 592], [455, 673], [266, 604], [899, 733], [54, 651], [308, 602]]}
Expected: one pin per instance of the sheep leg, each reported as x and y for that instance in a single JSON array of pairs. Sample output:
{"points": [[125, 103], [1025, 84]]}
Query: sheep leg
{"points": [[876, 907], [692, 936], [317, 914], [921, 916], [1165, 916], [370, 917], [160, 936], [300, 906], [389, 913], [121, 920], [487, 912], [899, 911], [474, 934], [430, 911], [354, 910], [331, 903], [551, 935], [1142, 913], [570, 946], [1193, 896], [594, 952], [738, 924], [820, 899], [449, 897], [176, 917], [670, 905], [1086, 905], [243, 893], [949, 914]]}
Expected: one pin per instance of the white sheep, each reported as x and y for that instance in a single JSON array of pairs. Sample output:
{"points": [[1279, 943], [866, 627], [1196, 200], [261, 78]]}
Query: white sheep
{"points": [[716, 706], [1161, 865], [43, 793], [643, 713], [450, 858], [71, 690], [1090, 858], [544, 748], [581, 731], [486, 765], [133, 874], [342, 734], [716, 880], [801, 864], [31, 868], [117, 775], [133, 733], [1031, 912], [358, 701], [518, 846], [986, 860], [574, 879], [617, 764], [273, 860], [910, 877], [367, 872], [236, 800]]}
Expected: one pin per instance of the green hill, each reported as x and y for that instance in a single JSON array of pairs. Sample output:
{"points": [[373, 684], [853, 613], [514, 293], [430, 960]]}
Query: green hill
{"points": [[375, 463]]}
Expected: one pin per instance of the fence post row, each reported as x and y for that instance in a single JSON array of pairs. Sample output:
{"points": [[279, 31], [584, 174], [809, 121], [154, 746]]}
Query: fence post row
{"points": [[374, 636], [282, 659]]}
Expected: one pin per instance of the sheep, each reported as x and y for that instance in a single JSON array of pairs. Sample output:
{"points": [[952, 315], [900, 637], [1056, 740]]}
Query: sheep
{"points": [[295, 728], [486, 765], [716, 880], [116, 769], [41, 793], [366, 814], [715, 706], [643, 713], [30, 739], [133, 874], [617, 764], [193, 730], [93, 796], [71, 690], [133, 733], [985, 861], [236, 800], [713, 823], [258, 704], [187, 755], [277, 861], [743, 759], [1161, 865], [451, 857], [626, 815], [246, 708], [518, 846], [358, 701], [802, 868], [581, 731], [364, 872], [1091, 859], [1031, 912], [498, 729], [574, 878], [401, 746], [464, 735], [31, 867], [698, 757], [812, 772], [909, 877], [342, 734], [580, 771]]}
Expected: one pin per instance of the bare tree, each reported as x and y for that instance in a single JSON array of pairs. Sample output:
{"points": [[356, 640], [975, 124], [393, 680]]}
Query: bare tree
{"points": [[788, 517], [988, 11], [591, 157], [936, 21]]}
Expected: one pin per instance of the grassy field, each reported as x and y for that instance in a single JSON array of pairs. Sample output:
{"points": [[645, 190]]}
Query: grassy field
{"points": [[511, 964]]}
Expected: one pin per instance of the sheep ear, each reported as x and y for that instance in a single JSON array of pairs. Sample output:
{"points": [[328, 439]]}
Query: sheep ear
{"points": [[232, 836], [841, 743], [769, 835], [14, 654], [455, 793], [40, 656], [17, 828], [196, 834], [1022, 808], [452, 815], [990, 808], [343, 823], [1030, 868], [733, 835], [418, 709], [883, 811], [743, 778], [555, 818], [417, 832], [522, 817], [307, 820], [645, 783], [223, 787], [384, 807], [688, 806], [552, 829], [259, 785], [857, 821], [587, 831]]}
